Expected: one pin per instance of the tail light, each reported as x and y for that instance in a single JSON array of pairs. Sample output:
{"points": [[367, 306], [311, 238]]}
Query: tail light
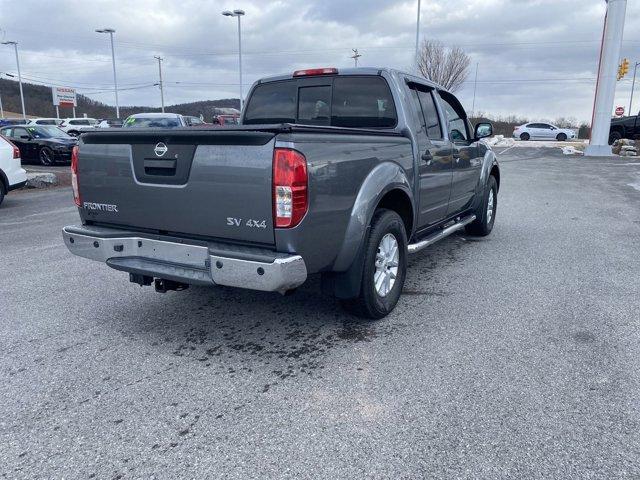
{"points": [[290, 187], [74, 176], [16, 150]]}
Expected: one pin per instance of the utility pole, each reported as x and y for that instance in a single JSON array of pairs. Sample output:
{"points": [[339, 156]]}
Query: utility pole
{"points": [[355, 56], [159, 58], [111, 31], [415, 59], [475, 87], [15, 46], [1, 109], [238, 13], [606, 82], [633, 84]]}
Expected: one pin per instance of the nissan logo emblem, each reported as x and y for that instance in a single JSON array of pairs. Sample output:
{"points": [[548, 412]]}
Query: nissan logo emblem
{"points": [[160, 149]]}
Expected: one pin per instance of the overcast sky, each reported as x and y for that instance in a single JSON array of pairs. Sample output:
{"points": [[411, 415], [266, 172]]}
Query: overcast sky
{"points": [[537, 58]]}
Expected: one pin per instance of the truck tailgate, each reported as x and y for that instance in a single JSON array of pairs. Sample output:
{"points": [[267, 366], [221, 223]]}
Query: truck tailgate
{"points": [[214, 184]]}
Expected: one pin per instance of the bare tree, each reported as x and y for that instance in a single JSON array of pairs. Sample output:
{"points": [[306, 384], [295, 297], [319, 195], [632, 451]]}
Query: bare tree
{"points": [[448, 67]]}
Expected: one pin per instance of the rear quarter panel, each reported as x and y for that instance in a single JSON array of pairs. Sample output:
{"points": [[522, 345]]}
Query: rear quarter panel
{"points": [[338, 164]]}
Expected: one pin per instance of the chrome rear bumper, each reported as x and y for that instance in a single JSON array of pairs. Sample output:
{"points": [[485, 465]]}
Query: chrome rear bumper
{"points": [[184, 262]]}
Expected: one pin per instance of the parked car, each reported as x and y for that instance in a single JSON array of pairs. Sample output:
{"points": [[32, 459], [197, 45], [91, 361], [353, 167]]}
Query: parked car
{"points": [[110, 123], [155, 120], [13, 121], [44, 143], [193, 121], [76, 126], [543, 131], [44, 121], [624, 127], [223, 120], [342, 173], [12, 175]]}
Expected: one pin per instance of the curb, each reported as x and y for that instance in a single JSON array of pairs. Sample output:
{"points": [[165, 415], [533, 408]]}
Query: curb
{"points": [[41, 180]]}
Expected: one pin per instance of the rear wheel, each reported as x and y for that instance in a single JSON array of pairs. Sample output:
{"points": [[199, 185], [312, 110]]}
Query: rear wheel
{"points": [[525, 136], [385, 267], [2, 192], [561, 137], [46, 156], [613, 136], [486, 213]]}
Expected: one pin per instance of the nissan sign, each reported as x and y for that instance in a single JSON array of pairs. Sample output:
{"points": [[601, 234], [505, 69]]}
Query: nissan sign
{"points": [[619, 111], [64, 96]]}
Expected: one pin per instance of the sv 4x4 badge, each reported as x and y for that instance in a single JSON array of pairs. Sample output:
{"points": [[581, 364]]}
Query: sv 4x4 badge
{"points": [[237, 222]]}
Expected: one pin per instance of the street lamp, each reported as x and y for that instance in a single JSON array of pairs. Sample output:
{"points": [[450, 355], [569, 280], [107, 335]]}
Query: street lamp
{"points": [[237, 13], [111, 31], [15, 46]]}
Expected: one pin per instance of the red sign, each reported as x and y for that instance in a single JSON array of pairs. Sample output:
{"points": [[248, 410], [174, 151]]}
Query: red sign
{"points": [[619, 111]]}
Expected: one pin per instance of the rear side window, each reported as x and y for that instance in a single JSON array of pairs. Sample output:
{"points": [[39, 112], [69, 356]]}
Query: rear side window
{"points": [[358, 102], [430, 114]]}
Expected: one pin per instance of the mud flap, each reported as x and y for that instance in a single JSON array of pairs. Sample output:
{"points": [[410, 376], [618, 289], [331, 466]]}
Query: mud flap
{"points": [[345, 285]]}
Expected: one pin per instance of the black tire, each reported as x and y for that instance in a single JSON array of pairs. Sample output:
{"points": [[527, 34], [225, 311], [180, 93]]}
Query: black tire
{"points": [[2, 192], [525, 136], [46, 157], [561, 137], [482, 225], [613, 136], [369, 303]]}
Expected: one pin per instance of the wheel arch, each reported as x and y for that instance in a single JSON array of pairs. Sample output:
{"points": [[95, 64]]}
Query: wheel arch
{"points": [[386, 186]]}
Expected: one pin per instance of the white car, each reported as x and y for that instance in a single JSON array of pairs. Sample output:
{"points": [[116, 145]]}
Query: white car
{"points": [[542, 131], [155, 120], [12, 175], [44, 121], [75, 126]]}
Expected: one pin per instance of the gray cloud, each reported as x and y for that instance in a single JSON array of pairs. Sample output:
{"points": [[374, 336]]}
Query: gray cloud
{"points": [[536, 58]]}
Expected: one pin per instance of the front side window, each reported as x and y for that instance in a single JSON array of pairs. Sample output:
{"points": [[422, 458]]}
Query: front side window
{"points": [[456, 117]]}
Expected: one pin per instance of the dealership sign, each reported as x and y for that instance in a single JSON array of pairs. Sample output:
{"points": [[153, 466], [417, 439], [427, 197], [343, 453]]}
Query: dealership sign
{"points": [[64, 96], [619, 111]]}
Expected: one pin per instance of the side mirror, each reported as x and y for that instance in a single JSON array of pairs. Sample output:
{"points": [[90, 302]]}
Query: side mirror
{"points": [[483, 130]]}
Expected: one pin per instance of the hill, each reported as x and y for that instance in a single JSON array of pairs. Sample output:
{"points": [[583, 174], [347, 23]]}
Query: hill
{"points": [[38, 102]]}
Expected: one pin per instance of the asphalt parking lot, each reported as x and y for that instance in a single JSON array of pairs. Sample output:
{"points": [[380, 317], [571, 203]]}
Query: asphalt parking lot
{"points": [[516, 355]]}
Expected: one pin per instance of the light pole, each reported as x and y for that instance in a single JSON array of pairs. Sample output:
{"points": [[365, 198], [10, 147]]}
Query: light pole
{"points": [[606, 80], [237, 13], [15, 46], [111, 31], [159, 58], [633, 84], [475, 87], [417, 35]]}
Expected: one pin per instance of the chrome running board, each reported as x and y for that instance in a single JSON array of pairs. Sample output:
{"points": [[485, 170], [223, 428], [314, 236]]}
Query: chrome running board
{"points": [[434, 237]]}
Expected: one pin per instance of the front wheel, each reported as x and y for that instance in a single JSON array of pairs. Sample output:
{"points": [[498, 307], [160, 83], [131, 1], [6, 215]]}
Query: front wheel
{"points": [[1, 193], [385, 267], [561, 137], [46, 156], [486, 213]]}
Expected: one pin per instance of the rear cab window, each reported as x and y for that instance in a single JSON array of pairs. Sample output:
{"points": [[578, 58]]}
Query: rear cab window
{"points": [[339, 101]]}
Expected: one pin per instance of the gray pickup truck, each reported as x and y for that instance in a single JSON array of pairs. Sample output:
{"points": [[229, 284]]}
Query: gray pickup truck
{"points": [[339, 173]]}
